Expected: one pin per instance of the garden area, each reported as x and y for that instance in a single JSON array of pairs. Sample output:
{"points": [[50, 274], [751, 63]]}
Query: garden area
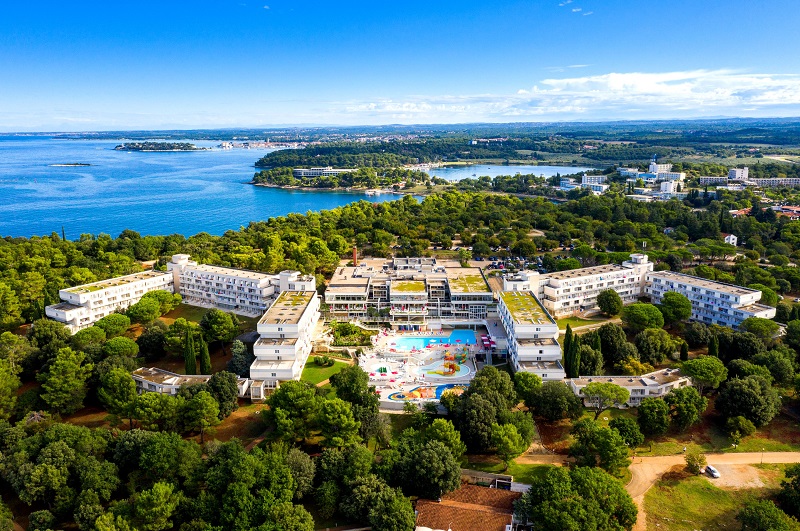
{"points": [[575, 322], [350, 335], [315, 373]]}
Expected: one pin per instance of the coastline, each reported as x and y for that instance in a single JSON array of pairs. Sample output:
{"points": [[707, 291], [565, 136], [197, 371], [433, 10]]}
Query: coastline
{"points": [[352, 189]]}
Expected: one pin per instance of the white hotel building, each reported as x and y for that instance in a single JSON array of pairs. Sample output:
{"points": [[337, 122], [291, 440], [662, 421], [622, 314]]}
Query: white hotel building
{"points": [[234, 290], [712, 302], [286, 331], [566, 293], [532, 335], [84, 305]]}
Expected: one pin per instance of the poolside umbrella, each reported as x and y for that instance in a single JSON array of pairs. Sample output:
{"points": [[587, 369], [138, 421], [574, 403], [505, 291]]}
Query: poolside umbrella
{"points": [[458, 341]]}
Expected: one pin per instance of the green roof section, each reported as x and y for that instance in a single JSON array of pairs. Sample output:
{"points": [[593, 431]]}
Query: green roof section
{"points": [[112, 282], [525, 308], [469, 283], [408, 286]]}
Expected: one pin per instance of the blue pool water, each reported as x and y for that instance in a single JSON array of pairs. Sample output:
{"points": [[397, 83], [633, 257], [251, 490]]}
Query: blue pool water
{"points": [[457, 337]]}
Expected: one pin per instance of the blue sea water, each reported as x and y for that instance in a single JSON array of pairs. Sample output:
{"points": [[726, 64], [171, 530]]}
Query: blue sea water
{"points": [[156, 193], [151, 193]]}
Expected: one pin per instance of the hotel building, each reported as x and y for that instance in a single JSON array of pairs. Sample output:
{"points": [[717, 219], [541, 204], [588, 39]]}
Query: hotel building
{"points": [[712, 302], [566, 293], [284, 344], [155, 380], [327, 171], [411, 293], [654, 384], [531, 334], [84, 305], [234, 290]]}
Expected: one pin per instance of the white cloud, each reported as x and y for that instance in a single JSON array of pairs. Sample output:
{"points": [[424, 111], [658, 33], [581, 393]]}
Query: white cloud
{"points": [[635, 95], [566, 2], [266, 7], [588, 13], [577, 9]]}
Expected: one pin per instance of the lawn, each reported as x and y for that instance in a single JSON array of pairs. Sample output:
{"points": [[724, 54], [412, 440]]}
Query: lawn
{"points": [[575, 322], [522, 473], [195, 314], [315, 374], [682, 502]]}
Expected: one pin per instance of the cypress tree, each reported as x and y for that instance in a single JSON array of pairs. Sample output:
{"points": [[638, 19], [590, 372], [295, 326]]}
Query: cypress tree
{"points": [[205, 358], [596, 343], [713, 346], [189, 355], [575, 356], [684, 351], [567, 344]]}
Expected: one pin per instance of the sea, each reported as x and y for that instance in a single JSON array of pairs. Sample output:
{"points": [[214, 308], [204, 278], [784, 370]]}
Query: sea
{"points": [[154, 192]]}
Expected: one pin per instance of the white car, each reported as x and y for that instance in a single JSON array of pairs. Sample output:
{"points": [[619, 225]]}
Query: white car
{"points": [[711, 471]]}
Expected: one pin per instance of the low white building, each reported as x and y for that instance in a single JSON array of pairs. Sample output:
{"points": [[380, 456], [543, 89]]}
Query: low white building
{"points": [[629, 172], [669, 187], [284, 344], [532, 335], [82, 306], [653, 384], [709, 179], [596, 188], [234, 290], [327, 171], [659, 168], [155, 380], [670, 176], [731, 239], [593, 179], [712, 302]]}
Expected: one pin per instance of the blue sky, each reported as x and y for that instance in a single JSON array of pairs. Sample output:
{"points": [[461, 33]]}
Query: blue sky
{"points": [[146, 64]]}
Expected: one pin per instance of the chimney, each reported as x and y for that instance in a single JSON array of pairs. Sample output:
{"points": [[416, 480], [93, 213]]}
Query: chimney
{"points": [[355, 256]]}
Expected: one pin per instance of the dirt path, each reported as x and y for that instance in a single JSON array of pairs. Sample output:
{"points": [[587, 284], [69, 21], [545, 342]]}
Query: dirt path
{"points": [[646, 471]]}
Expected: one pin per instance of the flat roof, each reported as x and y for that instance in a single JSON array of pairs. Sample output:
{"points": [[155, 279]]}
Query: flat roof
{"points": [[118, 281], [275, 342], [525, 308], [266, 365], [467, 280], [230, 271], [162, 377], [287, 308], [65, 306], [348, 280], [585, 271], [540, 342], [541, 365], [663, 376], [703, 283], [408, 286]]}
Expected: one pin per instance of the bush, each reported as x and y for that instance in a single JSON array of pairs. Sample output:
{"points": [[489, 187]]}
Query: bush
{"points": [[740, 425], [323, 361], [695, 462]]}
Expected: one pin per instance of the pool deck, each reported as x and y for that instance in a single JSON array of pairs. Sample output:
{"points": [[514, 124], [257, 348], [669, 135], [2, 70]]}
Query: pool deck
{"points": [[409, 369]]}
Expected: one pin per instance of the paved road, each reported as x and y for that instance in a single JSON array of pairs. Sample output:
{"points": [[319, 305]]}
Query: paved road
{"points": [[646, 471]]}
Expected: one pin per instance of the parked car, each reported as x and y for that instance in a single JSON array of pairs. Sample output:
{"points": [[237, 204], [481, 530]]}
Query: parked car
{"points": [[711, 471]]}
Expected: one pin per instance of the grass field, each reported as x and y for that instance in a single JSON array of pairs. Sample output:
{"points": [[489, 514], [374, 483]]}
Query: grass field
{"points": [[522, 473], [685, 503], [315, 374], [195, 314], [575, 322]]}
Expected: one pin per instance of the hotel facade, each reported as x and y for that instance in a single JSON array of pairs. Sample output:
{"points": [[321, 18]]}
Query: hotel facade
{"points": [[82, 306]]}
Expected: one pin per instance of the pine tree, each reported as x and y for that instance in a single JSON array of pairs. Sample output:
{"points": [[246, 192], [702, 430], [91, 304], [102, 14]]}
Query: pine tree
{"points": [[713, 346], [189, 355], [684, 351], [205, 358]]}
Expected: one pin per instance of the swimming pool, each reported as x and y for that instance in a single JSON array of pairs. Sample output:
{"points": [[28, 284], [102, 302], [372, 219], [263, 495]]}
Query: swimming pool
{"points": [[457, 337], [427, 392]]}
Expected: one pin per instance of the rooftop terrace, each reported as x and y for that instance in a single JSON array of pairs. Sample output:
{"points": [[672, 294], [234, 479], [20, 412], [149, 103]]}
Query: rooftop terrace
{"points": [[585, 272], [230, 272], [288, 307], [660, 377], [113, 282], [525, 308]]}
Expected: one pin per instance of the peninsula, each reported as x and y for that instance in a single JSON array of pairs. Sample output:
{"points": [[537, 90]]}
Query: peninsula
{"points": [[158, 146]]}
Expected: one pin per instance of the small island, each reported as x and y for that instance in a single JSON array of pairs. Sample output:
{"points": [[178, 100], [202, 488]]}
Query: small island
{"points": [[158, 146]]}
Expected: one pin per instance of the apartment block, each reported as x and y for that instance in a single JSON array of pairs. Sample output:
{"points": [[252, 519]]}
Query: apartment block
{"points": [[653, 384], [411, 293], [284, 344], [327, 171], [706, 179], [566, 293], [531, 334], [82, 306], [593, 179], [235, 290], [738, 174], [712, 302]]}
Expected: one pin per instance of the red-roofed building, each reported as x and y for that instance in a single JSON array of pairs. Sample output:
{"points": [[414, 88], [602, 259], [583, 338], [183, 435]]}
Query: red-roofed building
{"points": [[470, 508]]}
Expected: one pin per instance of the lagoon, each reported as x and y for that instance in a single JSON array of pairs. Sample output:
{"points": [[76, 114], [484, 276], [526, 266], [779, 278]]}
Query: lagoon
{"points": [[457, 173]]}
